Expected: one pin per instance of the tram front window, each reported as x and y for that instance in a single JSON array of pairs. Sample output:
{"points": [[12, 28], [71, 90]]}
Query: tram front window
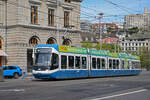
{"points": [[45, 59], [42, 61]]}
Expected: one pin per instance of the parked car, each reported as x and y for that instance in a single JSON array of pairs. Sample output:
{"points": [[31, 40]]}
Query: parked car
{"points": [[12, 71]]}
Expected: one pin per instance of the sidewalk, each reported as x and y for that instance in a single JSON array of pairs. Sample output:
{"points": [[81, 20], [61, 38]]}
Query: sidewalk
{"points": [[27, 76]]}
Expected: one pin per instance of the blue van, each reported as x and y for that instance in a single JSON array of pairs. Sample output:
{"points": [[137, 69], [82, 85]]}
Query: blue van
{"points": [[12, 71]]}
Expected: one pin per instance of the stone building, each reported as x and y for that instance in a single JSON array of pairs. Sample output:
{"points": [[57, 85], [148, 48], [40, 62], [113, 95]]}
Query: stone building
{"points": [[86, 26], [134, 43], [138, 20], [26, 23]]}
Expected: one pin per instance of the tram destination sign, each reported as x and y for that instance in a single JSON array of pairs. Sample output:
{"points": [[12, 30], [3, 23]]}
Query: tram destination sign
{"points": [[73, 49]]}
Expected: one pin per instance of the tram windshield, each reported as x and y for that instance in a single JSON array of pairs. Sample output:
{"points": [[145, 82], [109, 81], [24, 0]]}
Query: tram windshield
{"points": [[42, 59], [45, 60]]}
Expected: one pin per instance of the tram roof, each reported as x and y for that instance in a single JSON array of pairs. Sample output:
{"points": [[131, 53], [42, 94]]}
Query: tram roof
{"points": [[69, 49]]}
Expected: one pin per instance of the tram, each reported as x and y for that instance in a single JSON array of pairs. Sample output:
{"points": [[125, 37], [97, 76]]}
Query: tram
{"points": [[64, 62]]}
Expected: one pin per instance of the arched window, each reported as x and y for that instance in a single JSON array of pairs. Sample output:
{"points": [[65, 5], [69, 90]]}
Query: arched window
{"points": [[51, 40], [67, 42], [33, 40], [1, 43]]}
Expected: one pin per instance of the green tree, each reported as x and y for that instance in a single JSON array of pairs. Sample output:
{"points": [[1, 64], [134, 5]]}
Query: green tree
{"points": [[111, 30], [145, 57], [133, 30], [87, 44], [110, 47]]}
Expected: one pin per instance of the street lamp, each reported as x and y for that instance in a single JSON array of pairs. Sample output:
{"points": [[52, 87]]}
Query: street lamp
{"points": [[100, 40]]}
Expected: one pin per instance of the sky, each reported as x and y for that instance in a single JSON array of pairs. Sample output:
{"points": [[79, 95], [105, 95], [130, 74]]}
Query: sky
{"points": [[114, 10]]}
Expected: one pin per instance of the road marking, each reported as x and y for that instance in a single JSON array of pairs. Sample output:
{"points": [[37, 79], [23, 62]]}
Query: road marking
{"points": [[107, 97], [13, 90]]}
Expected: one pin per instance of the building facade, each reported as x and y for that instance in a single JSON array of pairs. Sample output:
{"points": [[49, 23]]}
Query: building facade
{"points": [[26, 23], [85, 26], [134, 44], [138, 20]]}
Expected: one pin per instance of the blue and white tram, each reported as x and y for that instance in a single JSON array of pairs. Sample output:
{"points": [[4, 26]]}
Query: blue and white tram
{"points": [[63, 62]]}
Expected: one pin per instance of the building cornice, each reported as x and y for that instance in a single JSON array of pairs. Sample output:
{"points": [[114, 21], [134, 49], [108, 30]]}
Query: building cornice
{"points": [[77, 0], [42, 28], [38, 2]]}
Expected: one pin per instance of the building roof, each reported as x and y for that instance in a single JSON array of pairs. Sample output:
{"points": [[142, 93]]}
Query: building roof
{"points": [[110, 40], [139, 36]]}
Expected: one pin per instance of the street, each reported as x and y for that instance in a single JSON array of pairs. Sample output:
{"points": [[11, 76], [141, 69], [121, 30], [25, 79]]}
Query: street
{"points": [[109, 88]]}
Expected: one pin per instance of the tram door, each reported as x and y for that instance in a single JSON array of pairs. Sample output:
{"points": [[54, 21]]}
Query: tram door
{"points": [[29, 60]]}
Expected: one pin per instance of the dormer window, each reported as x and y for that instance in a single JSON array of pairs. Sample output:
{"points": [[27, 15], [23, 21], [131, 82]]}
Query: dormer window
{"points": [[68, 1]]}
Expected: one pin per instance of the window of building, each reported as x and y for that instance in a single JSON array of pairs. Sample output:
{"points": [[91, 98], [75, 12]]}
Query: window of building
{"points": [[94, 63], [84, 63], [1, 44], [129, 44], [68, 1], [63, 62], [136, 44], [71, 62], [66, 19], [51, 17], [139, 44], [67, 42], [51, 41], [34, 14], [77, 62], [33, 40]]}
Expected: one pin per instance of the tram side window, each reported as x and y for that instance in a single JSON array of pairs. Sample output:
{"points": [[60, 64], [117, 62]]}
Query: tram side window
{"points": [[84, 63], [117, 64], [110, 63], [114, 64], [122, 64], [103, 63], [128, 65], [136, 65], [63, 62], [55, 61], [98, 63], [71, 62], [94, 63], [133, 64], [77, 62]]}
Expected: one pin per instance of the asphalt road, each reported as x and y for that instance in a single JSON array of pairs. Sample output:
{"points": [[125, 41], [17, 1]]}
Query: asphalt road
{"points": [[110, 88]]}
